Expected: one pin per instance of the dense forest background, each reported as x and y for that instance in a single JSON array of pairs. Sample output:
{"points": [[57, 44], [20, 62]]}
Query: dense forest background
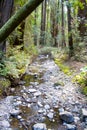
{"points": [[58, 27]]}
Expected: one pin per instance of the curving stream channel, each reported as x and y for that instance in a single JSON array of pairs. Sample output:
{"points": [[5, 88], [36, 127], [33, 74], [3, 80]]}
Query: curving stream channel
{"points": [[44, 92]]}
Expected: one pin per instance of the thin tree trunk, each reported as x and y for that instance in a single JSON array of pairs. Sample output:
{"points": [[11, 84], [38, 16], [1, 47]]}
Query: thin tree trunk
{"points": [[35, 24], [70, 39], [43, 22], [63, 32], [16, 19]]}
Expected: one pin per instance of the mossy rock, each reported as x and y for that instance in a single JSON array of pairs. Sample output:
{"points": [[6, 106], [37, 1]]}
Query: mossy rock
{"points": [[4, 84], [58, 83]]}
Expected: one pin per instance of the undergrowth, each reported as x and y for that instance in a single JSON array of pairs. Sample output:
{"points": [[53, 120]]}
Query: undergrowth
{"points": [[63, 67], [16, 61], [81, 79]]}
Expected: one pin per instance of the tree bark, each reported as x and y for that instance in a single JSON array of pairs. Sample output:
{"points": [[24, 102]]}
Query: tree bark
{"points": [[35, 25], [54, 23], [63, 32], [70, 39], [82, 15], [16, 19], [43, 22], [5, 13]]}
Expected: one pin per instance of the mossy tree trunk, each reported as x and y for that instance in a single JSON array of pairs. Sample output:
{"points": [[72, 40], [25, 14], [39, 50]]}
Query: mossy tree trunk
{"points": [[16, 19]]}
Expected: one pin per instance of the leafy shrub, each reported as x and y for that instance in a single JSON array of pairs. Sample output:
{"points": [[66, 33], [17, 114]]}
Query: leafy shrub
{"points": [[17, 61], [82, 79], [3, 69]]}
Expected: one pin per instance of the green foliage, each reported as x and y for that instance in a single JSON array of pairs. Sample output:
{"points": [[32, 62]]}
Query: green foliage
{"points": [[48, 49], [4, 83], [82, 79], [31, 49], [20, 2], [63, 67], [85, 90], [76, 3], [3, 69], [17, 62]]}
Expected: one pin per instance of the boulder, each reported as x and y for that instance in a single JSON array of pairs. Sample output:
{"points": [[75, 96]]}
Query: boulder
{"points": [[66, 116]]}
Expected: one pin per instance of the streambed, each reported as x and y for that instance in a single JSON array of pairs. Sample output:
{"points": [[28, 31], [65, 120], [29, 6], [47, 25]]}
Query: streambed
{"points": [[42, 93]]}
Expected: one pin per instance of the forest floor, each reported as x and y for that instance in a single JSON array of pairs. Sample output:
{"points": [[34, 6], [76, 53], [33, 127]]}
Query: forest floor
{"points": [[76, 65], [45, 99]]}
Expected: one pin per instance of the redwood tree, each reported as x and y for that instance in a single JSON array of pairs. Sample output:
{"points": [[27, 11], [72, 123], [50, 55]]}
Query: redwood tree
{"points": [[43, 22], [70, 39], [5, 13], [54, 22], [63, 32], [82, 16]]}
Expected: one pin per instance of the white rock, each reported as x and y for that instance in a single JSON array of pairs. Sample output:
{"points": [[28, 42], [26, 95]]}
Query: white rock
{"points": [[50, 115], [40, 111], [61, 110], [39, 126], [47, 107], [38, 93], [4, 123], [76, 119], [70, 127], [32, 90], [84, 112], [39, 104]]}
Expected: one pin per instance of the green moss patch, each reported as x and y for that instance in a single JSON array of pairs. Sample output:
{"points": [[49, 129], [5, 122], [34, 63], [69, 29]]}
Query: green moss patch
{"points": [[81, 79], [63, 67], [4, 84]]}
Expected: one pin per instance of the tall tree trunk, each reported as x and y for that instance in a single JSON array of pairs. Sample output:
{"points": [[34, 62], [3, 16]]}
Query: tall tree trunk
{"points": [[35, 25], [82, 15], [43, 22], [16, 19], [70, 39], [63, 32], [5, 13], [54, 23]]}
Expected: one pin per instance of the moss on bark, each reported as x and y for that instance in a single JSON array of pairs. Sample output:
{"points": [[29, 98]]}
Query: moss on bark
{"points": [[16, 19]]}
